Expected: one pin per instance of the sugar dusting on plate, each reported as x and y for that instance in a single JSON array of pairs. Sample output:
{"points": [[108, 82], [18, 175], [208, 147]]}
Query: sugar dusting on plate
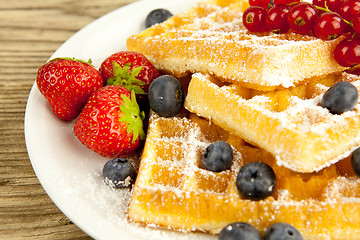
{"points": [[113, 203]]}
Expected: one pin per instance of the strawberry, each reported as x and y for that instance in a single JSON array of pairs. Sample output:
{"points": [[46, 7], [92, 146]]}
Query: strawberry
{"points": [[129, 69], [67, 84], [111, 122]]}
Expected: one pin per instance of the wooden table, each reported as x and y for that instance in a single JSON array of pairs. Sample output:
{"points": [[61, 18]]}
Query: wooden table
{"points": [[30, 31]]}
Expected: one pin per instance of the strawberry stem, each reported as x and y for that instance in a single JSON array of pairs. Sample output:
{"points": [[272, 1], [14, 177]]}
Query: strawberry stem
{"points": [[132, 116], [126, 77]]}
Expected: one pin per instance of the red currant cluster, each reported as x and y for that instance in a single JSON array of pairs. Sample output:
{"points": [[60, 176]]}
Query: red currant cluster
{"points": [[326, 19]]}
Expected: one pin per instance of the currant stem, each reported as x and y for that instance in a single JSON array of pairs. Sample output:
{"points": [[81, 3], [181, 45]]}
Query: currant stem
{"points": [[326, 9]]}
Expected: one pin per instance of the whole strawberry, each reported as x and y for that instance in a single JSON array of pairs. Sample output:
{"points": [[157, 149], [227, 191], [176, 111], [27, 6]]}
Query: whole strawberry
{"points": [[67, 84], [129, 69], [111, 122]]}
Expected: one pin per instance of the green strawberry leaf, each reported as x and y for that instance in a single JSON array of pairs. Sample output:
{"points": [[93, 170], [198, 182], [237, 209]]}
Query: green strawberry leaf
{"points": [[136, 71], [125, 77], [132, 116]]}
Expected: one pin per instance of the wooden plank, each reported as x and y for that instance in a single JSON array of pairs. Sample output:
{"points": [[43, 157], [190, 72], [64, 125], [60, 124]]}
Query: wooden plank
{"points": [[29, 35]]}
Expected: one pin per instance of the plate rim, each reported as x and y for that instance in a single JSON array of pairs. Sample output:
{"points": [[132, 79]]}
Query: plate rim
{"points": [[34, 92]]}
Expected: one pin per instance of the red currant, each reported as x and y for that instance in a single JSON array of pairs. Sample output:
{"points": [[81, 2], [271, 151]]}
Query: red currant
{"points": [[302, 16], [356, 23], [347, 52], [260, 3], [276, 18], [254, 19], [349, 9], [329, 25], [285, 1], [333, 5]]}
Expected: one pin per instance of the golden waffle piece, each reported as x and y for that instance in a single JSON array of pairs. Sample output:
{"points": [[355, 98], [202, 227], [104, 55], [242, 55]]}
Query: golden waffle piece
{"points": [[211, 39], [173, 190], [289, 123]]}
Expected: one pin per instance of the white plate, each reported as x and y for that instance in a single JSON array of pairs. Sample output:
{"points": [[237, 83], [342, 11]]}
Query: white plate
{"points": [[70, 173]]}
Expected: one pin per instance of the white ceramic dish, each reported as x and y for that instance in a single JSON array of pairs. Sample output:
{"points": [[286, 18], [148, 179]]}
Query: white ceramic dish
{"points": [[69, 172]]}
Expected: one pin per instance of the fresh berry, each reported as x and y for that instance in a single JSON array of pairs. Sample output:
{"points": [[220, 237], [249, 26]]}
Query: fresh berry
{"points": [[332, 5], [157, 16], [341, 97], [349, 9], [266, 4], [282, 231], [129, 69], [260, 3], [302, 16], [218, 156], [276, 18], [166, 96], [239, 231], [254, 19], [355, 161], [256, 181], [287, 2], [119, 173], [111, 122], [356, 23], [67, 84], [329, 25], [347, 52]]}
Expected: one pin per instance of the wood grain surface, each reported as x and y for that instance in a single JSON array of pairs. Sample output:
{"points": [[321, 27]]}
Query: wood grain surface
{"points": [[30, 31]]}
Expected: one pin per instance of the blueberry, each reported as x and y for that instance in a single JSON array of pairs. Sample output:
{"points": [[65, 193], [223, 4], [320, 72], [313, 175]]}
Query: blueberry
{"points": [[355, 161], [218, 156], [157, 16], [256, 181], [282, 231], [341, 97], [239, 231], [119, 173], [166, 96]]}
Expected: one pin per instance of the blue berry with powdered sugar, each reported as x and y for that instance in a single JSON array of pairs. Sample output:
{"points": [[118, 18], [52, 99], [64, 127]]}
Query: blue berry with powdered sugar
{"points": [[355, 161], [239, 231], [256, 181], [218, 156], [157, 16], [282, 231], [119, 173], [166, 96], [341, 97]]}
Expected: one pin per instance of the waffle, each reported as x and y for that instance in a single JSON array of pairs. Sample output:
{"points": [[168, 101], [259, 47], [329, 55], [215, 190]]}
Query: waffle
{"points": [[289, 123], [211, 39], [173, 190]]}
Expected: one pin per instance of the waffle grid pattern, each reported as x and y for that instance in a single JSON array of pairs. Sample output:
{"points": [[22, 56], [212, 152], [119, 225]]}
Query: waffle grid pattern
{"points": [[210, 38], [173, 190], [302, 135]]}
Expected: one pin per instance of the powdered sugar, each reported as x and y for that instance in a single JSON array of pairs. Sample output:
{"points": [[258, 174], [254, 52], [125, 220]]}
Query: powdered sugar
{"points": [[289, 115], [112, 203], [312, 212], [212, 39]]}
